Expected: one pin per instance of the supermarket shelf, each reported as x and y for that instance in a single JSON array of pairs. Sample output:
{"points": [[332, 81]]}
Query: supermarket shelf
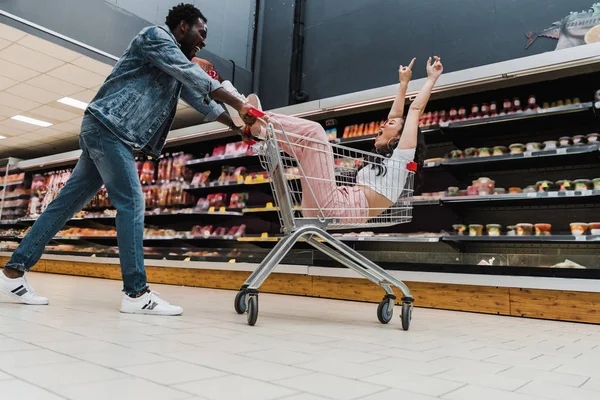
{"points": [[574, 108], [18, 196], [237, 159], [528, 198], [431, 202], [535, 157], [390, 239], [12, 183], [523, 239]]}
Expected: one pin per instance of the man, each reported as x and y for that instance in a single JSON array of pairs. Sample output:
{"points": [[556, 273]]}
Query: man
{"points": [[133, 110]]}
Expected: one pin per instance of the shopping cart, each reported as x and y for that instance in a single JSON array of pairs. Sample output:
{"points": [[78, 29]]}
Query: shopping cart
{"points": [[315, 186]]}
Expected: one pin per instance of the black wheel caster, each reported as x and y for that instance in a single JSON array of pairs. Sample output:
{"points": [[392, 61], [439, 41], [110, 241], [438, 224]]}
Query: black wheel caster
{"points": [[240, 302], [252, 309], [385, 311], [406, 315]]}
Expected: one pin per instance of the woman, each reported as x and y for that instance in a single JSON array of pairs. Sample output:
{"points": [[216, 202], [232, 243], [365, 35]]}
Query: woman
{"points": [[379, 183]]}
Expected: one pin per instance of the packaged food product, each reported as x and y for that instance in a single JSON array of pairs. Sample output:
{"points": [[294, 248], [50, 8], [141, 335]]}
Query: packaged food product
{"points": [[524, 229], [456, 154], [517, 148], [499, 150], [532, 103], [592, 138], [484, 186], [565, 141], [475, 230], [514, 190], [530, 189], [578, 228], [578, 140], [596, 183], [484, 152], [594, 228], [493, 229], [544, 186], [543, 229], [582, 184], [499, 191], [511, 230], [564, 184], [453, 191], [533, 146], [459, 229], [471, 152]]}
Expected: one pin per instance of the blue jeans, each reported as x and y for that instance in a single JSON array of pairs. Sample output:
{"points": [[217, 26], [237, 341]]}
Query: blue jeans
{"points": [[104, 159]]}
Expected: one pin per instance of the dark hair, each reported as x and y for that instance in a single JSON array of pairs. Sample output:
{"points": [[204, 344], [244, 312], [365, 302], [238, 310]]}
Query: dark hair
{"points": [[184, 12], [420, 151]]}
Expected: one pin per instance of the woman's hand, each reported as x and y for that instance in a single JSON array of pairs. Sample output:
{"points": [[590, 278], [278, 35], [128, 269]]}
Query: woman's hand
{"points": [[435, 69], [405, 73]]}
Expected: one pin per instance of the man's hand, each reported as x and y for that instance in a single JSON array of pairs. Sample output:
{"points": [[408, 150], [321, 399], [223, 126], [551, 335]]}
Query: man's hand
{"points": [[243, 111]]}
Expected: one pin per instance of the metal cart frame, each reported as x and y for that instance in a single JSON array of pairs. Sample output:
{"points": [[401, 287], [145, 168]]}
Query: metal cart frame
{"points": [[313, 228]]}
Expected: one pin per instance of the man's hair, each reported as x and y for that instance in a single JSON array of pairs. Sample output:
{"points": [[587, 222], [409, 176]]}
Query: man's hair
{"points": [[184, 12]]}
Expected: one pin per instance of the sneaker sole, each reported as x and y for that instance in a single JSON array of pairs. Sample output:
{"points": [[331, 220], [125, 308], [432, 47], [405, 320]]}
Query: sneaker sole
{"points": [[255, 101], [152, 312], [21, 301]]}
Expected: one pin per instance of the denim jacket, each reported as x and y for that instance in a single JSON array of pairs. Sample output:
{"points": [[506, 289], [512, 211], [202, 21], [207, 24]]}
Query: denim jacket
{"points": [[138, 100]]}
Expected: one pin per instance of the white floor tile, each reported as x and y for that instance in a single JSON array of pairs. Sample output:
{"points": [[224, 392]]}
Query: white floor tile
{"points": [[395, 394], [51, 377], [557, 392], [279, 356], [427, 385], [494, 381], [26, 358], [14, 389], [304, 396], [4, 376], [122, 389], [470, 366], [331, 386], [9, 344], [121, 358], [173, 372], [235, 387], [210, 358], [81, 346], [266, 371], [592, 384], [473, 392], [342, 368], [544, 376]]}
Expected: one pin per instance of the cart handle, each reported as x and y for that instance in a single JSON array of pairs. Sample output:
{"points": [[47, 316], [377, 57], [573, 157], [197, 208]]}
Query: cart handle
{"points": [[255, 112], [412, 166], [247, 136]]}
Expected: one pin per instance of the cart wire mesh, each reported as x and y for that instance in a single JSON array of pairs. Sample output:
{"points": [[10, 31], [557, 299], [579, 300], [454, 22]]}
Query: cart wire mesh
{"points": [[342, 188]]}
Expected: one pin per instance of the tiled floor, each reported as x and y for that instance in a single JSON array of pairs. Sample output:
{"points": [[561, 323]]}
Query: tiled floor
{"points": [[81, 348]]}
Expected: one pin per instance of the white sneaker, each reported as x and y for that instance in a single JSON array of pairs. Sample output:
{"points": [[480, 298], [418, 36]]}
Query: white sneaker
{"points": [[19, 289], [149, 303], [235, 116]]}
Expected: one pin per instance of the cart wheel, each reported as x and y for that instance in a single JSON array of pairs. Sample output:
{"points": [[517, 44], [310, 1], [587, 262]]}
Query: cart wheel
{"points": [[384, 311], [240, 302], [406, 315], [252, 309]]}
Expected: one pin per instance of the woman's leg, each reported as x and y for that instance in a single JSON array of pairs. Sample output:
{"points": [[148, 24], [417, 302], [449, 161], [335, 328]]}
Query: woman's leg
{"points": [[307, 141]]}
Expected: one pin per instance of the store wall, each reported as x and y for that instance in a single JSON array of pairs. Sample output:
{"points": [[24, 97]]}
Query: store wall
{"points": [[354, 45], [109, 25]]}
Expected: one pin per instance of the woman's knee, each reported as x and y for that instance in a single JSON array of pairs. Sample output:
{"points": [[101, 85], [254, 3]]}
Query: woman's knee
{"points": [[316, 131]]}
